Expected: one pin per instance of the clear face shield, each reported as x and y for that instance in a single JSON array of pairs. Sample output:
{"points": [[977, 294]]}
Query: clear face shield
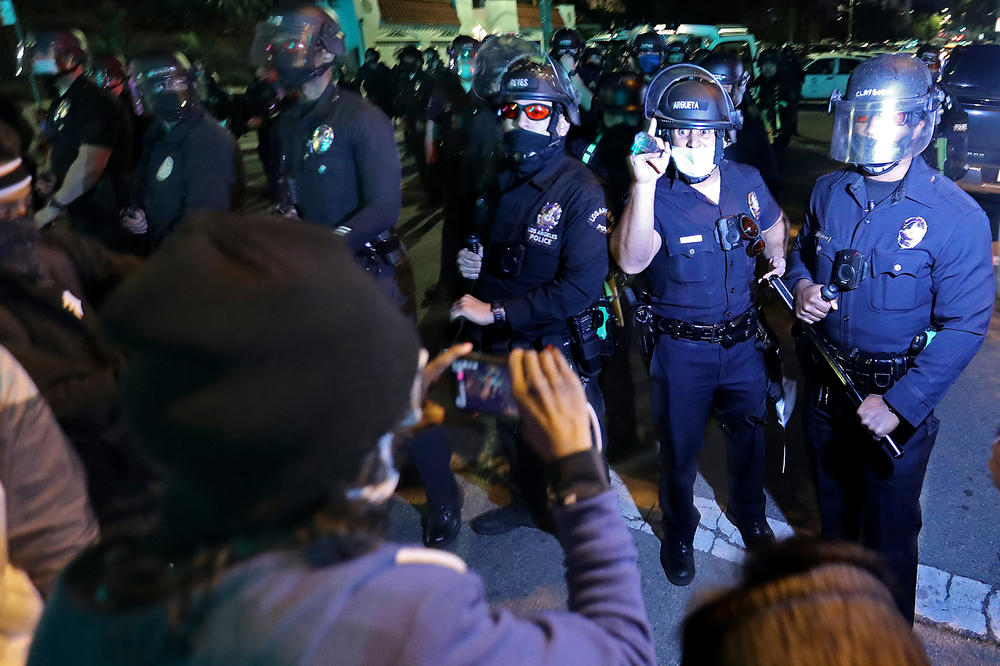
{"points": [[881, 131], [165, 96], [284, 42], [36, 58]]}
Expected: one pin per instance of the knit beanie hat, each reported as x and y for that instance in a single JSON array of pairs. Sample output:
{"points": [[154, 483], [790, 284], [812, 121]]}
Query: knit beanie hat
{"points": [[263, 366]]}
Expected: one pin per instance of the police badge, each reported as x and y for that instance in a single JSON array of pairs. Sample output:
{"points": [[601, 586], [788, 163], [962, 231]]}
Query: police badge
{"points": [[754, 204], [321, 140], [166, 168], [548, 216], [911, 233], [62, 110]]}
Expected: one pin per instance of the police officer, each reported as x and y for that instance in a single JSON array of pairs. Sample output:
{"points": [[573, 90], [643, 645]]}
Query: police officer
{"points": [[948, 151], [467, 152], [567, 49], [591, 65], [433, 66], [752, 145], [412, 89], [696, 224], [910, 254], [339, 160], [376, 81], [543, 254], [646, 53], [189, 161], [89, 147]]}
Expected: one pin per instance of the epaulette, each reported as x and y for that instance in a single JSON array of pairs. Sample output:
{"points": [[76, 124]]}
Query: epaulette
{"points": [[438, 558]]}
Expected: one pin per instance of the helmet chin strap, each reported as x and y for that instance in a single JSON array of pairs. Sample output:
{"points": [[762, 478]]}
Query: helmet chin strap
{"points": [[877, 169]]}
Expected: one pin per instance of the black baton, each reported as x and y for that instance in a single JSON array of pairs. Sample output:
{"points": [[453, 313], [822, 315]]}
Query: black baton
{"points": [[824, 352]]}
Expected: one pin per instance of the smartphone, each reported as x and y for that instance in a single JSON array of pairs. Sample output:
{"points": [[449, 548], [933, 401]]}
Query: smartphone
{"points": [[483, 385]]}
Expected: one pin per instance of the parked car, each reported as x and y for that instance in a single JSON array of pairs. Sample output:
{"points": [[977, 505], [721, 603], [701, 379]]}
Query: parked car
{"points": [[971, 75], [827, 72]]}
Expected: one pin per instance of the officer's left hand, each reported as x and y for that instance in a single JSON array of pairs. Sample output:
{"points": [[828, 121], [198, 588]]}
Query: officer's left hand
{"points": [[876, 416], [472, 309], [777, 264], [44, 216]]}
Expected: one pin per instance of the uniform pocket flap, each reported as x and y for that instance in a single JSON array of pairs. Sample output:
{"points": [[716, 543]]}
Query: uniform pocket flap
{"points": [[898, 263], [690, 244]]}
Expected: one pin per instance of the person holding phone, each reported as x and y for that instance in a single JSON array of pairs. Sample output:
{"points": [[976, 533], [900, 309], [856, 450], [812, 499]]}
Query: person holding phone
{"points": [[697, 224], [544, 252]]}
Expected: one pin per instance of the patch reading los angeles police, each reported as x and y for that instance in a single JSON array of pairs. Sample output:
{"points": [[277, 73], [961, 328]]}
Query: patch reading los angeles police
{"points": [[754, 204], [166, 168], [542, 233], [912, 232], [321, 140], [600, 220]]}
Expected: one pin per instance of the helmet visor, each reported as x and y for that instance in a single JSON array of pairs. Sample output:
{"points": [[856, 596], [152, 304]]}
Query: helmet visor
{"points": [[283, 42], [36, 57], [880, 131], [492, 61]]}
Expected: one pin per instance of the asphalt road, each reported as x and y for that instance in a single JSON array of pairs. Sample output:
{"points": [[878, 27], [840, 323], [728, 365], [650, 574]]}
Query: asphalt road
{"points": [[523, 569]]}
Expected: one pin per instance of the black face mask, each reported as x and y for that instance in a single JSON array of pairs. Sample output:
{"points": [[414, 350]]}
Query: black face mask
{"points": [[527, 152]]}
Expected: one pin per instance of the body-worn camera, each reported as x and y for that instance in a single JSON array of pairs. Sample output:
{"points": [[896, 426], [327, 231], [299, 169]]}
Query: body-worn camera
{"points": [[848, 270], [732, 230], [507, 259]]}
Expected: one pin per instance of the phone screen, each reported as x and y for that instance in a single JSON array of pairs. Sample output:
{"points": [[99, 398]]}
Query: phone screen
{"points": [[483, 385]]}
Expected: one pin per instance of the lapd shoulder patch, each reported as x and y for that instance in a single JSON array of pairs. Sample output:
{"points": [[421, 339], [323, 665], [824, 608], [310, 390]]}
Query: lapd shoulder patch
{"points": [[438, 558], [911, 233], [166, 168], [322, 139], [754, 204], [600, 220]]}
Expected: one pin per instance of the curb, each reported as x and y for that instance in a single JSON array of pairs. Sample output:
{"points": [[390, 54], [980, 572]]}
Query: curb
{"points": [[966, 606]]}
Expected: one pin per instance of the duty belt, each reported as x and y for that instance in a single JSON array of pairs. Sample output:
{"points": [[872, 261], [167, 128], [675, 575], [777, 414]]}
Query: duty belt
{"points": [[726, 333], [874, 370]]}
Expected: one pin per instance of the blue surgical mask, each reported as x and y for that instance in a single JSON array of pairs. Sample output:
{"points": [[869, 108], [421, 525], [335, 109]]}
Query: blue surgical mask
{"points": [[648, 62]]}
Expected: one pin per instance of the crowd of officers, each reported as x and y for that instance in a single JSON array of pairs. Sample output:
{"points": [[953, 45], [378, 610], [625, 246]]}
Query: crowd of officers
{"points": [[587, 197]]}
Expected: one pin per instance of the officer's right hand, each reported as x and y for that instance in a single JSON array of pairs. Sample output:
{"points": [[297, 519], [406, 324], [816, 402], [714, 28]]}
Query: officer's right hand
{"points": [[810, 306], [134, 221], [470, 263], [553, 406], [647, 168]]}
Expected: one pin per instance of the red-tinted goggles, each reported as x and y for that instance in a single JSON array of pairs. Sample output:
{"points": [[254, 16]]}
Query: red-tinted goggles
{"points": [[899, 118], [751, 232], [512, 110]]}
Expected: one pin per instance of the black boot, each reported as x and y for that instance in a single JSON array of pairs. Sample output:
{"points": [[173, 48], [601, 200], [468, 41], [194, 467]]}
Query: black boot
{"points": [[677, 560], [756, 534], [442, 525]]}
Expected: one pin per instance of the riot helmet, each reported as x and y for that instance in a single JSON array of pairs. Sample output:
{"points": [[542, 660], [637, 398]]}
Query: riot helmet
{"points": [[620, 98], [930, 55], [647, 50], [431, 58], [372, 56], [674, 53], [728, 70], [887, 113], [461, 54], [592, 55], [108, 71], [566, 41], [688, 97], [51, 52], [409, 58], [509, 70], [163, 85], [296, 43]]}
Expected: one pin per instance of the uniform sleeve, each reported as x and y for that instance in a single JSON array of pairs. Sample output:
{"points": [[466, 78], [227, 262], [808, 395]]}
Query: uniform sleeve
{"points": [[770, 211], [583, 265], [962, 278], [100, 124], [607, 622], [798, 269], [379, 180], [212, 174]]}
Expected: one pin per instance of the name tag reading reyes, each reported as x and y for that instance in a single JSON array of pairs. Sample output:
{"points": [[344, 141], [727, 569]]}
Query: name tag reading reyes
{"points": [[691, 239]]}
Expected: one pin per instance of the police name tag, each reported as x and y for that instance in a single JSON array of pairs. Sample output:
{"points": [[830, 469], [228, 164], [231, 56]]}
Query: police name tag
{"points": [[697, 238]]}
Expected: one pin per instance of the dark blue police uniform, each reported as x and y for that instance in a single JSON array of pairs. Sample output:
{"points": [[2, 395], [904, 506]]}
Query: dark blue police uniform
{"points": [[926, 246], [692, 280], [545, 259], [339, 158], [193, 166]]}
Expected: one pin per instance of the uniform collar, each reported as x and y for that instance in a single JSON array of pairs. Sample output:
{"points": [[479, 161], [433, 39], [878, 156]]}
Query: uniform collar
{"points": [[676, 183], [916, 184], [183, 128]]}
